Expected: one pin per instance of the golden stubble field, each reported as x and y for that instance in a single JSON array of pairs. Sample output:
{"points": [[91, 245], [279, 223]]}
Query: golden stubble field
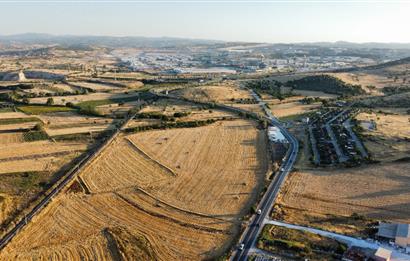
{"points": [[375, 191], [173, 194]]}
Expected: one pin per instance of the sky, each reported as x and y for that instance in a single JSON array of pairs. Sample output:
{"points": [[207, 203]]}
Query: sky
{"points": [[241, 20]]}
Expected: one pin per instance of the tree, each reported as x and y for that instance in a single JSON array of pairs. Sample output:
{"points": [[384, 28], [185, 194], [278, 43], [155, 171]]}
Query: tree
{"points": [[50, 101]]}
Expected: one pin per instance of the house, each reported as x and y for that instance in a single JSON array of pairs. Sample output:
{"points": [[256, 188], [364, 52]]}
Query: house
{"points": [[400, 233]]}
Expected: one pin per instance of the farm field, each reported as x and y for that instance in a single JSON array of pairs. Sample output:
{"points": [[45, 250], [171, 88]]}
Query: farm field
{"points": [[328, 198], [27, 167], [218, 93], [98, 87], [62, 100], [190, 111], [292, 108], [366, 79], [70, 119], [187, 188], [388, 136], [249, 107], [13, 115], [10, 138], [35, 156]]}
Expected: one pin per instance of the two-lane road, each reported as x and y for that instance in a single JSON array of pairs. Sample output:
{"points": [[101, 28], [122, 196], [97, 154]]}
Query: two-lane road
{"points": [[255, 225]]}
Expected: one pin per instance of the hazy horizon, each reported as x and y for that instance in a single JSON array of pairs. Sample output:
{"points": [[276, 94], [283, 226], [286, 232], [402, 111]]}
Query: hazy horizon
{"points": [[242, 21]]}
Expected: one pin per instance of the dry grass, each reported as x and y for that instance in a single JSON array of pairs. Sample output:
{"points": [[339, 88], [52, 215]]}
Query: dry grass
{"points": [[177, 194], [365, 79], [219, 93], [98, 87], [377, 191], [292, 108], [62, 100], [170, 107], [13, 115], [35, 156], [8, 138], [390, 140], [305, 93], [62, 123]]}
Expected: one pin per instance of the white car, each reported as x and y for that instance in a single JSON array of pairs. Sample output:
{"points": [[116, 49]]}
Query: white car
{"points": [[259, 212], [282, 169], [241, 247]]}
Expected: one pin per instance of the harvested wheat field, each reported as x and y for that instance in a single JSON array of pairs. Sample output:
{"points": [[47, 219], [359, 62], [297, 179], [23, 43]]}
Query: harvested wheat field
{"points": [[63, 123], [218, 93], [13, 115], [36, 156], [376, 191], [98, 87], [171, 194], [8, 138], [70, 119]]}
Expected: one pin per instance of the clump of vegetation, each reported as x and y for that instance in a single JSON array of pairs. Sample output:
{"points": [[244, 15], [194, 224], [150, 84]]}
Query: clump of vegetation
{"points": [[389, 90], [180, 114], [269, 86], [50, 101], [37, 133], [155, 115], [170, 125], [40, 109], [300, 244], [327, 84], [310, 100]]}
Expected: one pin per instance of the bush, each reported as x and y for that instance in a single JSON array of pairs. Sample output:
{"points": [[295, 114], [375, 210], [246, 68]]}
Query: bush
{"points": [[70, 105], [50, 101]]}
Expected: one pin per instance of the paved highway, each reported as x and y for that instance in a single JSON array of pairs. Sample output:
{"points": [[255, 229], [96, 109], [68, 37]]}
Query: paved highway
{"points": [[255, 225]]}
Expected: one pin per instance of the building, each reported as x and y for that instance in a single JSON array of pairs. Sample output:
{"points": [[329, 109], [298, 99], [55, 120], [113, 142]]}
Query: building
{"points": [[382, 254], [275, 135], [400, 233]]}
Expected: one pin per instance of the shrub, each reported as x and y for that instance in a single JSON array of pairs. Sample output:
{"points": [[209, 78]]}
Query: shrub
{"points": [[50, 101]]}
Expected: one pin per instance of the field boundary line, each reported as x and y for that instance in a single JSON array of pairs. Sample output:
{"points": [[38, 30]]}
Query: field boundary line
{"points": [[173, 220], [135, 147], [40, 156], [178, 208]]}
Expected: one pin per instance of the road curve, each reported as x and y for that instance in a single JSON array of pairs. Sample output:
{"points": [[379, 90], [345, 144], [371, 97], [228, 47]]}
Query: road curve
{"points": [[255, 225]]}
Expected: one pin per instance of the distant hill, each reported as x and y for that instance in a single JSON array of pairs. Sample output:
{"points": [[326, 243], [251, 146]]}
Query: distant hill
{"points": [[109, 41], [369, 45]]}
